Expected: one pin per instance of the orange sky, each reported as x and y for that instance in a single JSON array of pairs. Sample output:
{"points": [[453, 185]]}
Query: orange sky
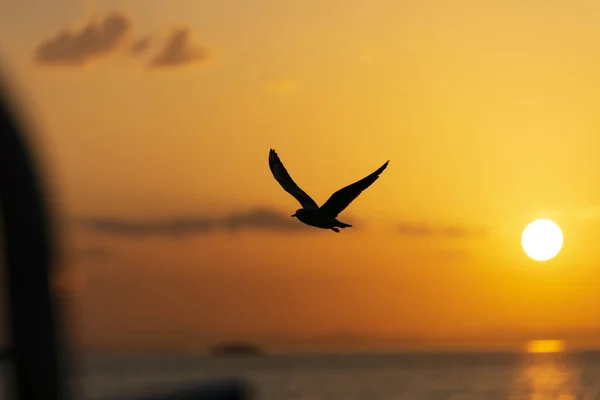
{"points": [[166, 112]]}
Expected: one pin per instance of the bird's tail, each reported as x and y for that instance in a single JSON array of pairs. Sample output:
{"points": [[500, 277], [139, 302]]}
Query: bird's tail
{"points": [[343, 225]]}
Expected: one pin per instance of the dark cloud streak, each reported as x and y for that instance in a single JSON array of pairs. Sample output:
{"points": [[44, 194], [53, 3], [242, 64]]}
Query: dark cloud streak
{"points": [[257, 219], [93, 253], [100, 38], [178, 51], [76, 48], [141, 45], [425, 230]]}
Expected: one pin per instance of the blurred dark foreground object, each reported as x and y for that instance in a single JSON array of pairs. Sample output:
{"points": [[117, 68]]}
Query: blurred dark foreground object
{"points": [[37, 352], [37, 370]]}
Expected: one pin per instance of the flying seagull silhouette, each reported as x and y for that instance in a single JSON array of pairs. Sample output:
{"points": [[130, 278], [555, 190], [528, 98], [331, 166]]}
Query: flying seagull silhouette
{"points": [[324, 217]]}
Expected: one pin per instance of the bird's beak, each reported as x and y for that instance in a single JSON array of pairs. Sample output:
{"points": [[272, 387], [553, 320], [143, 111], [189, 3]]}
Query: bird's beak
{"points": [[293, 215]]}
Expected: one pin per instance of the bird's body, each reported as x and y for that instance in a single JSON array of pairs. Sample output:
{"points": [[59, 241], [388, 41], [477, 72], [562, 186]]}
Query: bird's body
{"points": [[324, 217], [318, 219]]}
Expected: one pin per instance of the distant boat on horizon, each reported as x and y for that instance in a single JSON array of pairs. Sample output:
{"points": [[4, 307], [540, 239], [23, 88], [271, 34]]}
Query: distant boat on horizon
{"points": [[237, 349]]}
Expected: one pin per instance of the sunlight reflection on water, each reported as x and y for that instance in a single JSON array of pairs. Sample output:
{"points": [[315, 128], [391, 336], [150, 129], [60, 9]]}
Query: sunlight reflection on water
{"points": [[551, 377]]}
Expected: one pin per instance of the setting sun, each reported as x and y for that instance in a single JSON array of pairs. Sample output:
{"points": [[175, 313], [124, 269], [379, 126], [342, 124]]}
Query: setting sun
{"points": [[542, 239], [545, 346]]}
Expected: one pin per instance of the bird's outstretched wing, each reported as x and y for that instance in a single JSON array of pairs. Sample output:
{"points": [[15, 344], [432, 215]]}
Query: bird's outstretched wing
{"points": [[343, 197], [286, 182]]}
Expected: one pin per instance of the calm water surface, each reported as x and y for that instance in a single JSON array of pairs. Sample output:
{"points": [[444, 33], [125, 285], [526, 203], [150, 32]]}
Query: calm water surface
{"points": [[559, 376]]}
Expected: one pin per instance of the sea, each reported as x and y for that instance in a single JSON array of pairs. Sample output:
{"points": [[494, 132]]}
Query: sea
{"points": [[556, 376]]}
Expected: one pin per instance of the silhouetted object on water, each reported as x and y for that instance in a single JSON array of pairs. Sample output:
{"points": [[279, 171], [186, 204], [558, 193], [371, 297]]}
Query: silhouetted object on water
{"points": [[237, 349], [324, 217]]}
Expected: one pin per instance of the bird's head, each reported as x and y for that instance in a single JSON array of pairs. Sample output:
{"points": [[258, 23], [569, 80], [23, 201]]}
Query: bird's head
{"points": [[298, 212]]}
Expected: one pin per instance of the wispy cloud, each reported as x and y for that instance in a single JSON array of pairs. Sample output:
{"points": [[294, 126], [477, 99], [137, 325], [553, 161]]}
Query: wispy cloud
{"points": [[141, 45], [92, 41], [257, 219], [428, 230], [178, 50], [104, 37]]}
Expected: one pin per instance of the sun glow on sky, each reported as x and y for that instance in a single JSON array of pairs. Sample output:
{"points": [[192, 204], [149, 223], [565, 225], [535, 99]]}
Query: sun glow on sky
{"points": [[160, 121]]}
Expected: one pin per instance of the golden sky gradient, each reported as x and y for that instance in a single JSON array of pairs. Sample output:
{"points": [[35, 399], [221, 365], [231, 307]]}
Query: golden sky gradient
{"points": [[488, 113]]}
